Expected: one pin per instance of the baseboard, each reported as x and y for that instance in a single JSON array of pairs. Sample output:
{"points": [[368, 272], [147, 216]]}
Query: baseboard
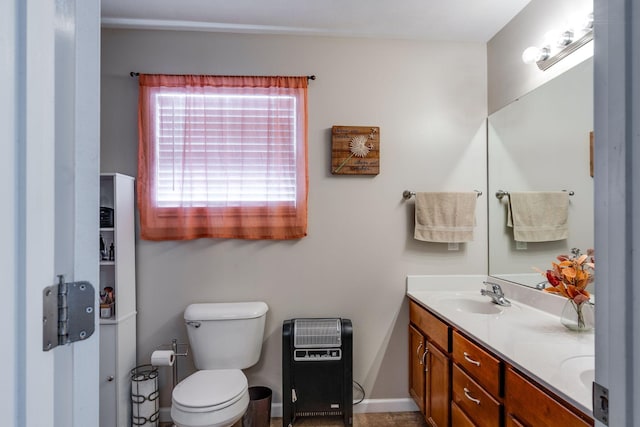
{"points": [[366, 406], [165, 415]]}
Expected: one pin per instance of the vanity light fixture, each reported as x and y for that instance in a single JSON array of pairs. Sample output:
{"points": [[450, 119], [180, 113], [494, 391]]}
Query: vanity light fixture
{"points": [[560, 47]]}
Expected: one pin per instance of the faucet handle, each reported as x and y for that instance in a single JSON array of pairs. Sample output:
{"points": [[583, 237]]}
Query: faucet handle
{"points": [[494, 291], [494, 287]]}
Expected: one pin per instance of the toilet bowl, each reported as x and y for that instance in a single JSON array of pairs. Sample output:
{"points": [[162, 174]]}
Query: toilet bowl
{"points": [[210, 398]]}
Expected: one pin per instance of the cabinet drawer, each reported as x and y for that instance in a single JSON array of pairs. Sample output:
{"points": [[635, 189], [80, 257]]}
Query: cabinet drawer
{"points": [[479, 405], [459, 418], [512, 422], [435, 329], [533, 407], [478, 363]]}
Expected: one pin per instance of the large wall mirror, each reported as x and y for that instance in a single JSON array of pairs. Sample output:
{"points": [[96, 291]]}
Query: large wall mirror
{"points": [[541, 142]]}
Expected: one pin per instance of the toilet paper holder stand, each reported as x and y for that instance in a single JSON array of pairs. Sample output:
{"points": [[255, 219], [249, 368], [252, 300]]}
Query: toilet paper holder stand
{"points": [[185, 353], [175, 347]]}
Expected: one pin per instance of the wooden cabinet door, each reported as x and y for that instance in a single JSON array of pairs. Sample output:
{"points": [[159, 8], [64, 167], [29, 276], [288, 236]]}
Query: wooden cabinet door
{"points": [[108, 376], [416, 366], [438, 387]]}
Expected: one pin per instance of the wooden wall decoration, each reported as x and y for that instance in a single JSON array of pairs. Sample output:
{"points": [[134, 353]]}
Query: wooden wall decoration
{"points": [[355, 150], [591, 153]]}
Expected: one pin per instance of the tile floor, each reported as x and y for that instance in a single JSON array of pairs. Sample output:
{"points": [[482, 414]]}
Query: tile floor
{"points": [[383, 419]]}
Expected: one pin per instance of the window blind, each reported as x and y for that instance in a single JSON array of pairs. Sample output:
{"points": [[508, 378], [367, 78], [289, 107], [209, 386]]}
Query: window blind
{"points": [[223, 149]]}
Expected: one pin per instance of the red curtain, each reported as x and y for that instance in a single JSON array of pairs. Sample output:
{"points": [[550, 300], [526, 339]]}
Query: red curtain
{"points": [[222, 157]]}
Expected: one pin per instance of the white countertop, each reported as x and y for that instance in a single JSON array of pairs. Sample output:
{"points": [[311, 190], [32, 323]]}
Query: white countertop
{"points": [[526, 335]]}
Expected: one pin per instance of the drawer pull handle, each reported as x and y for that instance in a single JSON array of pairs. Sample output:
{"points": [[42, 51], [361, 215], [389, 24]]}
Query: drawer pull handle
{"points": [[469, 359], [418, 349], [467, 394]]}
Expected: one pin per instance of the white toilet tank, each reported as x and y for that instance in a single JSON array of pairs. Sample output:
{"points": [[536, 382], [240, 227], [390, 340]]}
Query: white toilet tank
{"points": [[225, 335]]}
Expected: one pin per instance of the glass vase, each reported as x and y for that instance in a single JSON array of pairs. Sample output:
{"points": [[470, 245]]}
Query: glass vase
{"points": [[578, 317]]}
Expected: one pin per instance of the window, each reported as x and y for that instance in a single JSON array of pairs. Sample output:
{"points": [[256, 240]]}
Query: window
{"points": [[222, 157]]}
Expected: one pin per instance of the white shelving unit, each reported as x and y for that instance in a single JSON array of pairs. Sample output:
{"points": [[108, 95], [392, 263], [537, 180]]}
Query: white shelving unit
{"points": [[117, 332]]}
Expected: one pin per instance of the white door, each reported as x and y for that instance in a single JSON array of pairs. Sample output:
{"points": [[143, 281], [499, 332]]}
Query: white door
{"points": [[49, 128]]}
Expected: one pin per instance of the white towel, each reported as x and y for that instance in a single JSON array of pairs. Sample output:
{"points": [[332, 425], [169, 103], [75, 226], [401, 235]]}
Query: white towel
{"points": [[538, 216], [445, 217]]}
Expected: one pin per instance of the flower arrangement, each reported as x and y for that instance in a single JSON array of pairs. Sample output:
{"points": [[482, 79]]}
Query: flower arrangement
{"points": [[569, 278]]}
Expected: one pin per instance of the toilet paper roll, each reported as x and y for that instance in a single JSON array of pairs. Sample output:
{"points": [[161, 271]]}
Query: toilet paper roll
{"points": [[163, 358]]}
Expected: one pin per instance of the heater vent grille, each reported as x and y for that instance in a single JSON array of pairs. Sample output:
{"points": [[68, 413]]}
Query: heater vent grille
{"points": [[314, 333], [318, 413]]}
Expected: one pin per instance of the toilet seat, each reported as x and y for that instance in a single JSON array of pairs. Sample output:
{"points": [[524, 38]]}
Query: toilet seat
{"points": [[210, 390]]}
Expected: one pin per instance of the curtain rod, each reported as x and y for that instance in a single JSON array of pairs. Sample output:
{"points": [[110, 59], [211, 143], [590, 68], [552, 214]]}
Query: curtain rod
{"points": [[134, 74]]}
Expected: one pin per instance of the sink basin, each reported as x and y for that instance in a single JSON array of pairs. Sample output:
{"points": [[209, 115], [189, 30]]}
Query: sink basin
{"points": [[587, 377], [581, 368], [473, 306]]}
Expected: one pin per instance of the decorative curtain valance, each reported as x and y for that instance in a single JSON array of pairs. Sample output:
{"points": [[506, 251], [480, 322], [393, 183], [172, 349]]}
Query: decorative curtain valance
{"points": [[222, 157]]}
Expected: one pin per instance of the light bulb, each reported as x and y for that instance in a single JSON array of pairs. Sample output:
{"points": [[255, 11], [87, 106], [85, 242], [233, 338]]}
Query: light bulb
{"points": [[566, 38], [533, 54], [587, 24], [530, 55], [581, 23]]}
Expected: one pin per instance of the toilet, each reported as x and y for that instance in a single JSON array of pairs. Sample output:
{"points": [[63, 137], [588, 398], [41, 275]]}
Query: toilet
{"points": [[224, 338]]}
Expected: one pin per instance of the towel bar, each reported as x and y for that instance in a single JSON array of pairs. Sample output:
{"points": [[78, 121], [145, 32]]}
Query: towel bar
{"points": [[406, 194], [501, 193]]}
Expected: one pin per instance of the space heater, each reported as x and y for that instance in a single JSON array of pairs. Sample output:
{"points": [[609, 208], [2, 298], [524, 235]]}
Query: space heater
{"points": [[317, 369]]}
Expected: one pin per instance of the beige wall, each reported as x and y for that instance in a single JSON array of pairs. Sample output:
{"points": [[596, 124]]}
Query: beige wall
{"points": [[429, 100], [510, 78]]}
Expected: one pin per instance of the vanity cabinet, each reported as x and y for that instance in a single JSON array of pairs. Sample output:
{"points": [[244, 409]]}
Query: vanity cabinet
{"points": [[429, 372], [118, 317], [459, 383]]}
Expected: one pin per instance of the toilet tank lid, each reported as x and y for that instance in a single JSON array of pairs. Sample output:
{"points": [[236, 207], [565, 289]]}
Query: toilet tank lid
{"points": [[225, 310]]}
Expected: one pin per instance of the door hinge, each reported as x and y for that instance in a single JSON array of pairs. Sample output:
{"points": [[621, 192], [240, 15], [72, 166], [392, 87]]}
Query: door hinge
{"points": [[67, 313], [601, 403]]}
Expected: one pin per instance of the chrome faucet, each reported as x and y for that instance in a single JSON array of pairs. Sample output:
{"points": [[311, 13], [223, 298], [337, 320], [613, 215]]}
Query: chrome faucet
{"points": [[494, 291]]}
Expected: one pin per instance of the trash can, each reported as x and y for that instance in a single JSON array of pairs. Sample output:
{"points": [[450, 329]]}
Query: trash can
{"points": [[145, 410], [259, 411]]}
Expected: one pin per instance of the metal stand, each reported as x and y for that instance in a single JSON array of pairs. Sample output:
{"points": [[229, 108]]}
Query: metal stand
{"points": [[174, 347]]}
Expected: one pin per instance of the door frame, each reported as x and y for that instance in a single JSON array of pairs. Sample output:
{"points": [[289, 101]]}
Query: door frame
{"points": [[77, 189], [617, 205]]}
